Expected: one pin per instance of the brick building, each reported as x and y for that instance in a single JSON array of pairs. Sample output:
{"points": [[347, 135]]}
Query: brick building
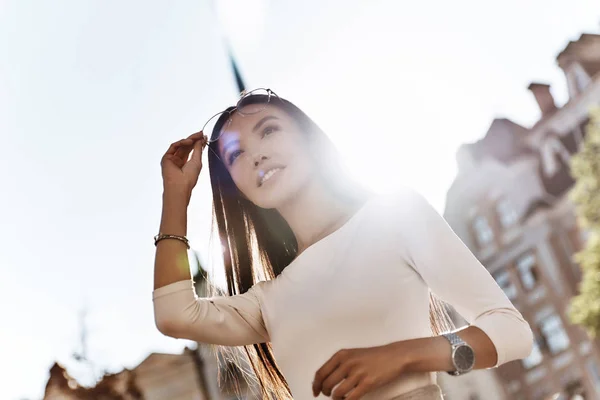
{"points": [[509, 203]]}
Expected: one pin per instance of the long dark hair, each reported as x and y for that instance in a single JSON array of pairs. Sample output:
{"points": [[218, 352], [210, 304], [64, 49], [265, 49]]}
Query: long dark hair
{"points": [[258, 243]]}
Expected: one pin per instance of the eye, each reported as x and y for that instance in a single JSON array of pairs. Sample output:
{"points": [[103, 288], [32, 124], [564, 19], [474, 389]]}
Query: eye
{"points": [[269, 129], [233, 156]]}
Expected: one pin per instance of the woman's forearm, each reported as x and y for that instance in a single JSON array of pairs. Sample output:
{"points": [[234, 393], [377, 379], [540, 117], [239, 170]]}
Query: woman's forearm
{"points": [[434, 354], [373, 367], [171, 261]]}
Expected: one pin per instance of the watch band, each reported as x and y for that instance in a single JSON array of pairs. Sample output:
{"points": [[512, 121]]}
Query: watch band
{"points": [[454, 339]]}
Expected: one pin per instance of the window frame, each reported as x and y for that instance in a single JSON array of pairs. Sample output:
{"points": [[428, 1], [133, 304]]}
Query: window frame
{"points": [[532, 269], [559, 327]]}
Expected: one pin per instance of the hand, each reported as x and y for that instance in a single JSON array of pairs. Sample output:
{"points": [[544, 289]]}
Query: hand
{"points": [[179, 171], [356, 372]]}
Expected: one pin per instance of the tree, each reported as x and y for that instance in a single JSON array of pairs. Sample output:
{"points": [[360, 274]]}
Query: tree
{"points": [[585, 167]]}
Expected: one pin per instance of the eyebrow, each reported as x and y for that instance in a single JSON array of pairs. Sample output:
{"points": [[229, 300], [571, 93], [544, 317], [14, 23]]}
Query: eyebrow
{"points": [[262, 121]]}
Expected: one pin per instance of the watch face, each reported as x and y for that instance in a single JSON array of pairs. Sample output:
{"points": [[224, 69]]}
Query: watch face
{"points": [[464, 358]]}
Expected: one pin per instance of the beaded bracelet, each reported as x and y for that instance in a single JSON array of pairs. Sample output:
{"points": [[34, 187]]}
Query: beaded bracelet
{"points": [[162, 236]]}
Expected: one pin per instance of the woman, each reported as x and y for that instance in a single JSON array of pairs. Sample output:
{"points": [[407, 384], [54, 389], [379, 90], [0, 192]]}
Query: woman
{"points": [[329, 285]]}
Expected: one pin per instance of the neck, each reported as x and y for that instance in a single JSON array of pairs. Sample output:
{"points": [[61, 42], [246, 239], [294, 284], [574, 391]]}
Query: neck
{"points": [[314, 213]]}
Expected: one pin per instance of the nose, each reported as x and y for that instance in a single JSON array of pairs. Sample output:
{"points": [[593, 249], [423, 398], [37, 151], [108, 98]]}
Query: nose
{"points": [[258, 159]]}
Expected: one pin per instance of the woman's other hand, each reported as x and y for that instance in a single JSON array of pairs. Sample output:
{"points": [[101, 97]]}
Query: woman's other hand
{"points": [[352, 373]]}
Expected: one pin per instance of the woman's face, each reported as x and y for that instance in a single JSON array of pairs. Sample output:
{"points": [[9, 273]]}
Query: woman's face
{"points": [[267, 155]]}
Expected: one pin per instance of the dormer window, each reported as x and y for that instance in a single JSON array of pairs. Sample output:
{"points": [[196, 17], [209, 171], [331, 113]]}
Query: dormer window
{"points": [[577, 80], [553, 152]]}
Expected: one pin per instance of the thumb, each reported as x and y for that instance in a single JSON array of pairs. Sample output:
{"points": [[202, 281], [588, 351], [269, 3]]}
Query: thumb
{"points": [[196, 158]]}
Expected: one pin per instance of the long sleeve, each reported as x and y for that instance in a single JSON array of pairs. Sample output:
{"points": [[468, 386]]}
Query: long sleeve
{"points": [[230, 321], [455, 275]]}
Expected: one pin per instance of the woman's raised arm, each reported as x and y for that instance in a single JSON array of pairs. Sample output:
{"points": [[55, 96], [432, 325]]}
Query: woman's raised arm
{"points": [[178, 312]]}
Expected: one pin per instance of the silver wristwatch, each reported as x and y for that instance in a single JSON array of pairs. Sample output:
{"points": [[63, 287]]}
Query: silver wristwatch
{"points": [[463, 356]]}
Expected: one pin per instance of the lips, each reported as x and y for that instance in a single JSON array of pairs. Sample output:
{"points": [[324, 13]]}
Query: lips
{"points": [[265, 175]]}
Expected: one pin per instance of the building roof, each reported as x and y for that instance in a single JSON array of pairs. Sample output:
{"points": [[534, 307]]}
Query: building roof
{"points": [[503, 141]]}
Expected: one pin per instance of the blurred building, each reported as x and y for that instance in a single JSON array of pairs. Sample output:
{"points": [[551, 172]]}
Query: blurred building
{"points": [[191, 375], [61, 386], [509, 204], [158, 377]]}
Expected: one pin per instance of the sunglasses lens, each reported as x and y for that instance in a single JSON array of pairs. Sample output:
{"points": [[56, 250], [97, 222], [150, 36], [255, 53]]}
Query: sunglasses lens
{"points": [[209, 127]]}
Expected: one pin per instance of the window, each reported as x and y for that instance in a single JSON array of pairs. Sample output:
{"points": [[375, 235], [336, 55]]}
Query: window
{"points": [[582, 80], [534, 358], [503, 280], [554, 155], [554, 333], [482, 229], [506, 213], [526, 265], [577, 79]]}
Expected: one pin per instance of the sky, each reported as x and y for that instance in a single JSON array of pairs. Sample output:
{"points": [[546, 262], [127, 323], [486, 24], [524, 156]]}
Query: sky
{"points": [[92, 92]]}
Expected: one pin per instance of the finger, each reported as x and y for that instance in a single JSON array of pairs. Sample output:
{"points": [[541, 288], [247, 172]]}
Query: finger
{"points": [[345, 388], [335, 378], [183, 152], [196, 136], [324, 372], [174, 146], [194, 165], [197, 153]]}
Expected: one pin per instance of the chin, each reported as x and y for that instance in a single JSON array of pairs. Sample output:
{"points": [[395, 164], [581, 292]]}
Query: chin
{"points": [[272, 198], [276, 195]]}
